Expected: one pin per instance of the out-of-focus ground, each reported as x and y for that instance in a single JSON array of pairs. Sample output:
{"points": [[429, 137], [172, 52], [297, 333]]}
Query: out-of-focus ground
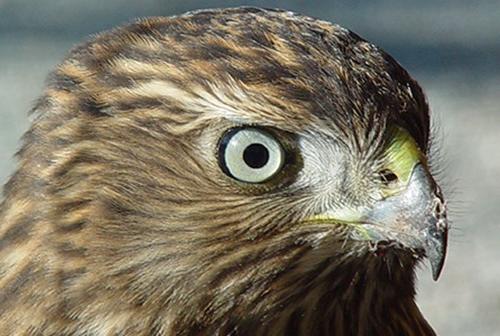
{"points": [[451, 47]]}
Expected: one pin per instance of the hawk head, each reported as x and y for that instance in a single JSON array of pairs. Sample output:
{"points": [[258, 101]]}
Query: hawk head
{"points": [[238, 171]]}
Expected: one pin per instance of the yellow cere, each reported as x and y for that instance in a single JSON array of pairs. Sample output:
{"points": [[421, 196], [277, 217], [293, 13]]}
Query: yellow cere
{"points": [[401, 156]]}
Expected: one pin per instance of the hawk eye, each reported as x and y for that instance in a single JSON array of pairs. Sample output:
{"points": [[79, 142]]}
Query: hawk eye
{"points": [[250, 154]]}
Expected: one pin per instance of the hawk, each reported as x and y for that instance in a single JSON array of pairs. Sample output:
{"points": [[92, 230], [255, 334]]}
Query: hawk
{"points": [[224, 172]]}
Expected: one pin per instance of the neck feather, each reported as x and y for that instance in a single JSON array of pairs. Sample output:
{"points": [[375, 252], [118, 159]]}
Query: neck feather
{"points": [[361, 296]]}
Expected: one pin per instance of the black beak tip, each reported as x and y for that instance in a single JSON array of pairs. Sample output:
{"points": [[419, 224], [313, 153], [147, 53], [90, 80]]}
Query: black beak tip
{"points": [[437, 267], [436, 253]]}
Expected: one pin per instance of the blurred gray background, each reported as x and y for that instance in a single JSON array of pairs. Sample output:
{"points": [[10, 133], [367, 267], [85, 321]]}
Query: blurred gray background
{"points": [[451, 46]]}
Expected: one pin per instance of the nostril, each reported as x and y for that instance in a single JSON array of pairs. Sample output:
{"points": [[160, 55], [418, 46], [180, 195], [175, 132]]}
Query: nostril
{"points": [[388, 177]]}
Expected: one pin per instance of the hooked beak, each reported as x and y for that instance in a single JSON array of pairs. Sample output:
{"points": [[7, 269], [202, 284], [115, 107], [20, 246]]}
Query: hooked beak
{"points": [[415, 218]]}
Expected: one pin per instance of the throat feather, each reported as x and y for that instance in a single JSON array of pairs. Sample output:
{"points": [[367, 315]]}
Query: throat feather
{"points": [[351, 298]]}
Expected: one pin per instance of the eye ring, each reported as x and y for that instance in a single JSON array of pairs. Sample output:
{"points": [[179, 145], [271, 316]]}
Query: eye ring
{"points": [[250, 154]]}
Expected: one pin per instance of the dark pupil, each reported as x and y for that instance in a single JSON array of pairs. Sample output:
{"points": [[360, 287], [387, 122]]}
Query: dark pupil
{"points": [[256, 155]]}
